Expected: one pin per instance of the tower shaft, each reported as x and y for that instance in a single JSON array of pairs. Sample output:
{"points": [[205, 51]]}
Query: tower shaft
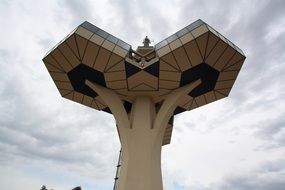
{"points": [[141, 135], [141, 167]]}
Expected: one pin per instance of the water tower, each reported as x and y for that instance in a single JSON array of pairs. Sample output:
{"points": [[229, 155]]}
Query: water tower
{"points": [[144, 88]]}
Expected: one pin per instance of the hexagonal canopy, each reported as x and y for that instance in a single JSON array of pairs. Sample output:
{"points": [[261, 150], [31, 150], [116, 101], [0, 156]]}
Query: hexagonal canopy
{"points": [[195, 52]]}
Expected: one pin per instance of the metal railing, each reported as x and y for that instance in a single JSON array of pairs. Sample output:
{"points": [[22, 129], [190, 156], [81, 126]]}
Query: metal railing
{"points": [[118, 170]]}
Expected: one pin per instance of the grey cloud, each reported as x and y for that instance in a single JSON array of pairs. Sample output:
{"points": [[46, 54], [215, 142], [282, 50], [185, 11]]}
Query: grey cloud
{"points": [[79, 10], [132, 13], [29, 130], [159, 25], [269, 176], [128, 19], [245, 183], [272, 131]]}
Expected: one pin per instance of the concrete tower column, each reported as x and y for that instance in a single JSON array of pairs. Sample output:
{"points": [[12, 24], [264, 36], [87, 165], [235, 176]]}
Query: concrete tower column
{"points": [[141, 134]]}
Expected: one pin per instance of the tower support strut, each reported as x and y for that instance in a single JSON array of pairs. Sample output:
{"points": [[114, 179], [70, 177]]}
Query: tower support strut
{"points": [[141, 134]]}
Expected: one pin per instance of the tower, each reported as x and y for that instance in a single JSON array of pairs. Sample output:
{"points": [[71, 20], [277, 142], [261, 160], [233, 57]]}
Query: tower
{"points": [[144, 88]]}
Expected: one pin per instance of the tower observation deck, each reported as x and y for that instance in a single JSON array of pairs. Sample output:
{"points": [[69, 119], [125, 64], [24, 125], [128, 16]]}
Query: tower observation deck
{"points": [[144, 88]]}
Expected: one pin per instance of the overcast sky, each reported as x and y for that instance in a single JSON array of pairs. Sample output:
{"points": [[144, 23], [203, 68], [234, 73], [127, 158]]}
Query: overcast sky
{"points": [[236, 143]]}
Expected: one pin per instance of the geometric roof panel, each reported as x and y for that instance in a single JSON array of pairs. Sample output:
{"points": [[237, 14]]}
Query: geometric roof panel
{"points": [[195, 52]]}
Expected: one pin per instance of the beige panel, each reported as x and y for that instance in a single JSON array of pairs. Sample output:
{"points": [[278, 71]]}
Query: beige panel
{"points": [[231, 44], [148, 79], [193, 53], [169, 58], [216, 52], [200, 100], [87, 100], [167, 135], [184, 100], [175, 44], [168, 131], [223, 38], [94, 105], [97, 39], [49, 59], [69, 95], [202, 43], [228, 75], [114, 59], [100, 105], [68, 54], [199, 31], [165, 50], [90, 54], [193, 105], [239, 50], [213, 30], [225, 91], [224, 84], [120, 66], [165, 142], [72, 44], [61, 60], [235, 59], [78, 97], [111, 76], [166, 75], [83, 32], [212, 42], [102, 59], [63, 85], [52, 68], [144, 50], [168, 84], [142, 87], [81, 43], [123, 92], [59, 77], [210, 96], [182, 59], [224, 59], [186, 38], [120, 51], [166, 67], [100, 102], [163, 92], [188, 105], [219, 95], [234, 67], [108, 45], [117, 84], [64, 93]]}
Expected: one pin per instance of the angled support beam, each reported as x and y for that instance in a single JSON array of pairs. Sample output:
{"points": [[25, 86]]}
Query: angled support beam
{"points": [[114, 103], [170, 103]]}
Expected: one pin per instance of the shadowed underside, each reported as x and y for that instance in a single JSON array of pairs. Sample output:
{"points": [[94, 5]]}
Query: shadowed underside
{"points": [[195, 52]]}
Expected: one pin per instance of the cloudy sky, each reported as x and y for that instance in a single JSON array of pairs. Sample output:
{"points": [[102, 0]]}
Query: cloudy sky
{"points": [[237, 143]]}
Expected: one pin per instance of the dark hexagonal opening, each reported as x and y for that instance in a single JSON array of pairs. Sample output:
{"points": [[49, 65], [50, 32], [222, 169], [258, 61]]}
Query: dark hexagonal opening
{"points": [[203, 71], [80, 74]]}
